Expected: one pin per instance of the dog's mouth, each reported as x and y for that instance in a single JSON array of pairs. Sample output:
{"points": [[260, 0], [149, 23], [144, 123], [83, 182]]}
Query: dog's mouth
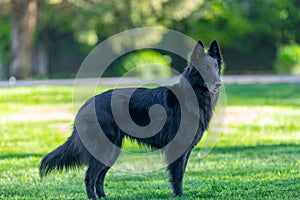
{"points": [[212, 89]]}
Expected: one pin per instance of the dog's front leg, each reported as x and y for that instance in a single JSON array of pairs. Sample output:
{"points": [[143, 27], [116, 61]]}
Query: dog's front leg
{"points": [[176, 172]]}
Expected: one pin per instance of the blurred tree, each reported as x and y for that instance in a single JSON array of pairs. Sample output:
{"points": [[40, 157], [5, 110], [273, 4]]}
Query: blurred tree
{"points": [[288, 59], [250, 31], [94, 20], [91, 21], [4, 37], [147, 64], [23, 15]]}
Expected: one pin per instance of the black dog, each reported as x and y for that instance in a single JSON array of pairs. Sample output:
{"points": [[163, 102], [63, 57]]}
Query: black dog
{"points": [[202, 75]]}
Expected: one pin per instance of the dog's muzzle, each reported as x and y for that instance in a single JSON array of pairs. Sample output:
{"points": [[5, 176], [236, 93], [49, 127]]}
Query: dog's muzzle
{"points": [[214, 88]]}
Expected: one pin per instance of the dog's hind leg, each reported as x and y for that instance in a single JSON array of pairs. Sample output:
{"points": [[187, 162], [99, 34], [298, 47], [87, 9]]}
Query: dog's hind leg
{"points": [[101, 175], [100, 181], [90, 178]]}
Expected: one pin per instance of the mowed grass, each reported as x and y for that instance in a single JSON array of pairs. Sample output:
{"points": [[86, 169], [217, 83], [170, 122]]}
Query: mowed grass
{"points": [[257, 155]]}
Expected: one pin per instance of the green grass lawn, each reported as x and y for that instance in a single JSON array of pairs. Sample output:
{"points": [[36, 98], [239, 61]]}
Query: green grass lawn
{"points": [[257, 155]]}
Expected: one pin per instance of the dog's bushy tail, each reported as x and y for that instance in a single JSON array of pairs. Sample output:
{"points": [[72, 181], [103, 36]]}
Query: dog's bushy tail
{"points": [[67, 156]]}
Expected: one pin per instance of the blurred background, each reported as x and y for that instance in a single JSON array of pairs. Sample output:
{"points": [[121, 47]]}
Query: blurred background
{"points": [[257, 155], [50, 38]]}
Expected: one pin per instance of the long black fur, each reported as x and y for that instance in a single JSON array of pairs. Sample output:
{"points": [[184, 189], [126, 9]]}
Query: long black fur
{"points": [[73, 154], [66, 156]]}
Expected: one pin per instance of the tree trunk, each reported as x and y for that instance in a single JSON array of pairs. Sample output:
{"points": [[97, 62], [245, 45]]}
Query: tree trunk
{"points": [[41, 57], [1, 70], [24, 14]]}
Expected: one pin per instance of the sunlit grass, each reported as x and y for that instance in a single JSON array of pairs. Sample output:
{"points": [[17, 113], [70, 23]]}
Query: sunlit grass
{"points": [[257, 155]]}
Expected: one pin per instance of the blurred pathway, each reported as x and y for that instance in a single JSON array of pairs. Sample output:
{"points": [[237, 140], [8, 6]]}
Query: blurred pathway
{"points": [[228, 79]]}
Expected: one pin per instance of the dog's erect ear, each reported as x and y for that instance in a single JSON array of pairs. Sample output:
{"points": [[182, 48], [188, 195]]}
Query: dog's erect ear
{"points": [[214, 52], [198, 51], [201, 43]]}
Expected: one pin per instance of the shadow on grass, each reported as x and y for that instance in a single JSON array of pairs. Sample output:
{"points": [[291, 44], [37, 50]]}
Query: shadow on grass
{"points": [[246, 180], [263, 94], [282, 148], [224, 182], [19, 156]]}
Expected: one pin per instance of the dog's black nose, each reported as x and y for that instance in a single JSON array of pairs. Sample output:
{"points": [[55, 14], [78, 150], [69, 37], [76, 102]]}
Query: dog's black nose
{"points": [[218, 85]]}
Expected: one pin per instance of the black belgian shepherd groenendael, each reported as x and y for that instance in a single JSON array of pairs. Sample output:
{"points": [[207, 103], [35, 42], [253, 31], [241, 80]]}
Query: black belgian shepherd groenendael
{"points": [[202, 75]]}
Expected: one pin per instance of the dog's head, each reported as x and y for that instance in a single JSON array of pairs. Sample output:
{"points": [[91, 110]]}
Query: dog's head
{"points": [[208, 65]]}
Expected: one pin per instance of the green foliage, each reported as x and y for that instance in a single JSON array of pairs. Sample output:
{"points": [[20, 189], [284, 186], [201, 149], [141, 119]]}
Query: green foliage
{"points": [[4, 35], [288, 59], [257, 156], [251, 28], [146, 64]]}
